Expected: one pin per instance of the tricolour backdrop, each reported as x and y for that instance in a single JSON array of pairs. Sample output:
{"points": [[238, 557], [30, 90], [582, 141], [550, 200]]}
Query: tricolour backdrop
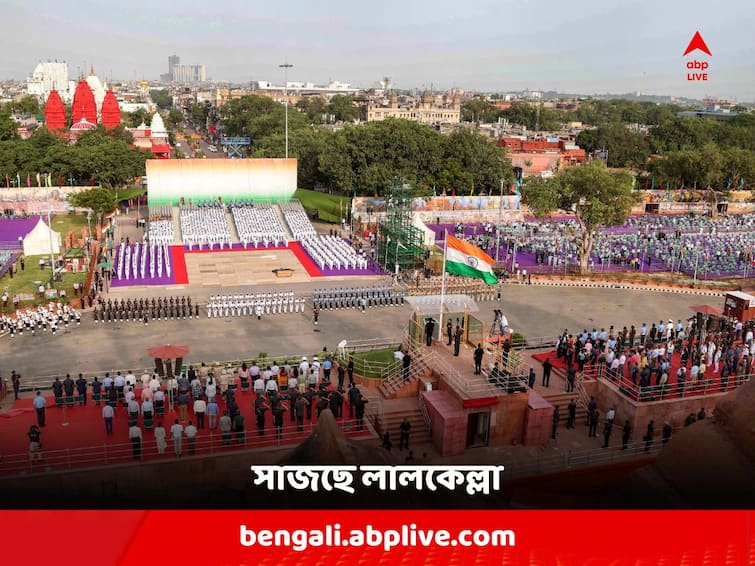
{"points": [[169, 180]]}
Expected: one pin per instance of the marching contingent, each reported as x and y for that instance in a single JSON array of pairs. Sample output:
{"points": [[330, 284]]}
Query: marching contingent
{"points": [[29, 320], [254, 304], [360, 297], [144, 310]]}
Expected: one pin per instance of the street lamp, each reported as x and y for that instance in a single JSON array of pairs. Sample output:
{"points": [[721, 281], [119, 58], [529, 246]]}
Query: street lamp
{"points": [[286, 66]]}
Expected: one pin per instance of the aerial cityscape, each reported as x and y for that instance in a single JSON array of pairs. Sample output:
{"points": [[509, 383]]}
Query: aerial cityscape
{"points": [[517, 235]]}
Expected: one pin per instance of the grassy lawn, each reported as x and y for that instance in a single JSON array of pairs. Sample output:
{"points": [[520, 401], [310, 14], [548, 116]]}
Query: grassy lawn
{"points": [[28, 281], [64, 223], [370, 364], [326, 205]]}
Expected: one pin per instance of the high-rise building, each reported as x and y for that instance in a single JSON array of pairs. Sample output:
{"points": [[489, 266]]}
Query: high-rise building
{"points": [[178, 73], [173, 62]]}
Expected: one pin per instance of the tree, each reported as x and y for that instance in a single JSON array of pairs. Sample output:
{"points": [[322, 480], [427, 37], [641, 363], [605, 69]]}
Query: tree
{"points": [[625, 148], [174, 118], [478, 110], [26, 106], [8, 126], [342, 107], [161, 98], [597, 195], [99, 201]]}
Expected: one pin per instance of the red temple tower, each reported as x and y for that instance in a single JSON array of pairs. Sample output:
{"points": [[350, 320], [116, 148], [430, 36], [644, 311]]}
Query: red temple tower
{"points": [[55, 112], [111, 112], [84, 105]]}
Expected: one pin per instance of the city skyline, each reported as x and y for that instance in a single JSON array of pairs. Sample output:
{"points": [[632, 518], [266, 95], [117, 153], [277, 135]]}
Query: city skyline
{"points": [[483, 46]]}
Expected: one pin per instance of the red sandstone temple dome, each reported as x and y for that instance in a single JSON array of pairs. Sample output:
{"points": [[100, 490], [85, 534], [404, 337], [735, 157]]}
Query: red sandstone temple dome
{"points": [[84, 105], [55, 112], [111, 112], [82, 125]]}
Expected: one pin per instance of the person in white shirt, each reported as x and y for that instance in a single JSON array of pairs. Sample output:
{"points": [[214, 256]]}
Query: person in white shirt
{"points": [[611, 415], [177, 432], [271, 386], [130, 395], [107, 415], [160, 438], [154, 383], [159, 398], [293, 383], [211, 390], [135, 435], [304, 366], [191, 436], [275, 368], [259, 385], [200, 407], [147, 409], [130, 379]]}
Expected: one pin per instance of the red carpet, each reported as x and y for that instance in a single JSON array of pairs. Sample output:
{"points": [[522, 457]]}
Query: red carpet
{"points": [[83, 440], [558, 363], [305, 260], [180, 275], [712, 380]]}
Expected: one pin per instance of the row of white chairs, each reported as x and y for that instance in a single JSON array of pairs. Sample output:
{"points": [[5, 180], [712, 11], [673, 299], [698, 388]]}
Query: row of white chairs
{"points": [[333, 252], [298, 221], [204, 226], [258, 225], [160, 233]]}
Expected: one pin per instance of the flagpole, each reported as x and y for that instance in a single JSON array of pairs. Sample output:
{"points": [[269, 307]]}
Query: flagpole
{"points": [[443, 283]]}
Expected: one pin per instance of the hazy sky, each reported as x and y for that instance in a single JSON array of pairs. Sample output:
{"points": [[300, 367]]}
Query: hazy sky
{"points": [[586, 46]]}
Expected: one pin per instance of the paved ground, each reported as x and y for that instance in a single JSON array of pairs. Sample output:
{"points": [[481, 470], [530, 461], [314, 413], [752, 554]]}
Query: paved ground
{"points": [[534, 311]]}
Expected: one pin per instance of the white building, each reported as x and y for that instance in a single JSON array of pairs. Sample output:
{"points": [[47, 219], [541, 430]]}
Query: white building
{"points": [[332, 88], [50, 75]]}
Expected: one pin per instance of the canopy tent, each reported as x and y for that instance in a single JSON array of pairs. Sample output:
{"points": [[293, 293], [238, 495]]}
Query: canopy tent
{"points": [[428, 236], [42, 240]]}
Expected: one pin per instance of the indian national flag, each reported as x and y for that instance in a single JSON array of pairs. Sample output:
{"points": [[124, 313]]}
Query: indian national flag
{"points": [[467, 260]]}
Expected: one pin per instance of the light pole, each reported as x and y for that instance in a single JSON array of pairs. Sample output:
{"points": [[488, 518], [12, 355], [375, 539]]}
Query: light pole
{"points": [[52, 255], [286, 66]]}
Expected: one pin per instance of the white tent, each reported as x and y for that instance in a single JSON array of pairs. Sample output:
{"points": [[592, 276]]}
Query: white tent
{"points": [[41, 239], [428, 236]]}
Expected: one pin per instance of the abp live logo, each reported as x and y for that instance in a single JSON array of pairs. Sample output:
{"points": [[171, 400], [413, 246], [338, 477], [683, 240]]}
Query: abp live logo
{"points": [[698, 68]]}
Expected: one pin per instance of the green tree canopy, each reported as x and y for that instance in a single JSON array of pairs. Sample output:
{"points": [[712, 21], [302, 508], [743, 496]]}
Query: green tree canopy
{"points": [[625, 148], [162, 98], [99, 201], [342, 107], [596, 195]]}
